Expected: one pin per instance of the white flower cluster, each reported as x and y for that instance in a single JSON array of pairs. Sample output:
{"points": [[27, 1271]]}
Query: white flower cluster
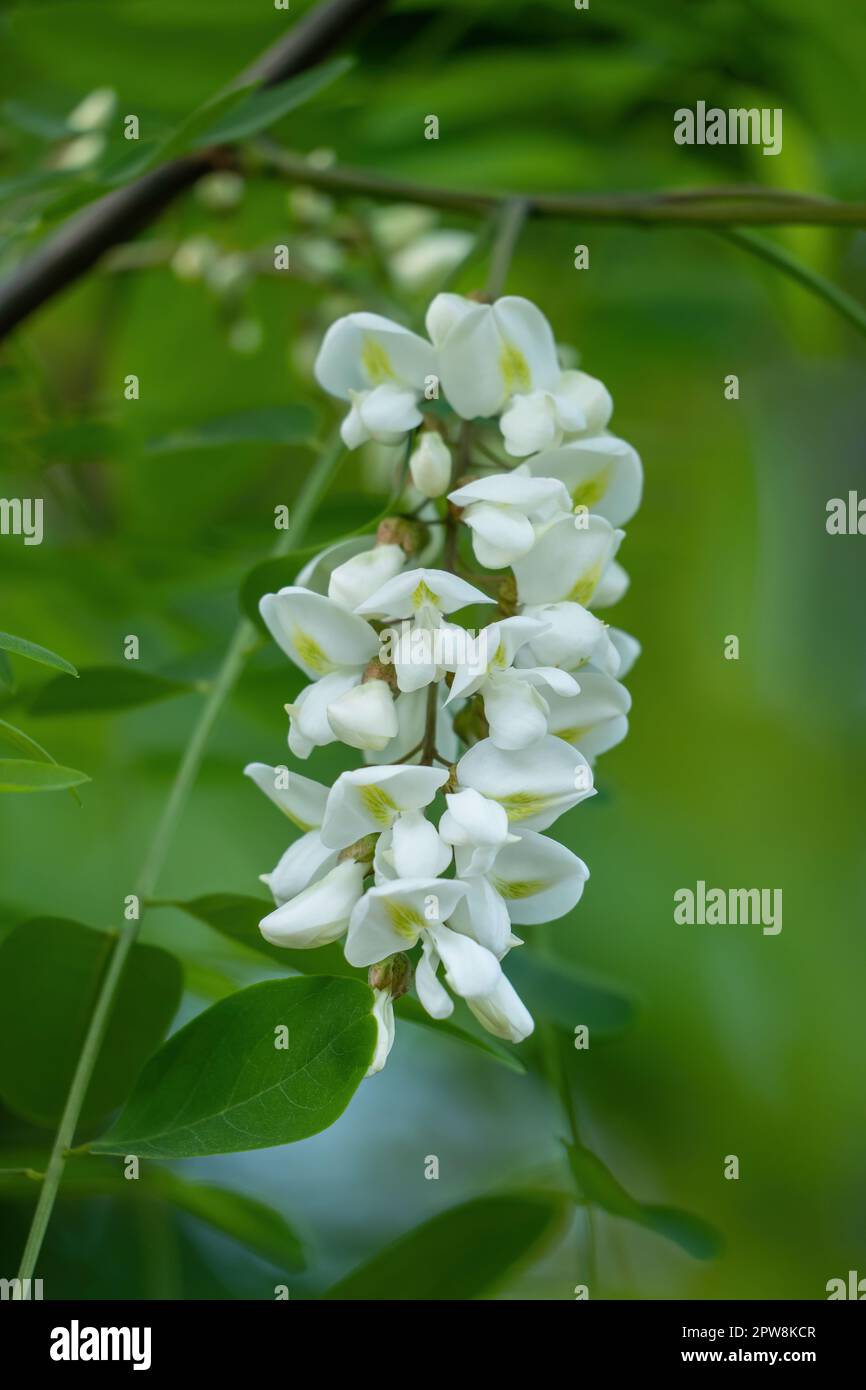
{"points": [[368, 622]]}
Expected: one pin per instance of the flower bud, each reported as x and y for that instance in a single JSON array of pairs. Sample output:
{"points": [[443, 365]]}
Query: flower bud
{"points": [[356, 579], [430, 464], [365, 717], [377, 670], [393, 974], [410, 535]]}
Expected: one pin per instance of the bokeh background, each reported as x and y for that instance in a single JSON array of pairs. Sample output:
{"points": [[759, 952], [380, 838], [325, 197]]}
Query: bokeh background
{"points": [[745, 773]]}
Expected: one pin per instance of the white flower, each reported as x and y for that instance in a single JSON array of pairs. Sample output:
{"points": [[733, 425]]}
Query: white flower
{"points": [[431, 257], [595, 720], [430, 464], [317, 634], [500, 510], [603, 474], [381, 367], [629, 649], [303, 801], [416, 590], [360, 576], [477, 827], [320, 914], [364, 717], [502, 1012], [309, 725], [612, 585], [94, 111], [534, 785], [570, 637], [300, 798], [567, 561], [471, 970], [539, 879], [514, 707], [392, 916], [578, 404], [501, 359], [411, 848], [370, 799], [424, 595], [383, 1013], [304, 862]]}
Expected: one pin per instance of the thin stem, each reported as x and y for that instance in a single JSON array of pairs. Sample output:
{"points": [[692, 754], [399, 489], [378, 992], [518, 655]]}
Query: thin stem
{"points": [[242, 642], [702, 207], [514, 214], [777, 256]]}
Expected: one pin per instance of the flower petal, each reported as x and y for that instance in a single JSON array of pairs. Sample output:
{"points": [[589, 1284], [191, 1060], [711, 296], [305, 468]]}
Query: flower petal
{"points": [[356, 578], [534, 785], [364, 717], [539, 879], [503, 1013], [369, 800], [320, 914], [567, 560], [300, 798], [304, 862], [318, 635], [404, 595], [392, 916], [470, 969], [602, 473]]}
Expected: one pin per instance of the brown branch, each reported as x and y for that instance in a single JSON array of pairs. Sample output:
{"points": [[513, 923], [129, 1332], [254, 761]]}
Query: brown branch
{"points": [[122, 214], [703, 207]]}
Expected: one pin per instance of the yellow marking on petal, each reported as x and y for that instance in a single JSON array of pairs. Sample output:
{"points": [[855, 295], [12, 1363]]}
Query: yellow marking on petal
{"points": [[585, 586], [310, 653], [500, 660], [515, 369], [378, 804], [406, 921], [521, 805], [572, 735], [376, 362], [587, 493], [424, 595], [520, 888]]}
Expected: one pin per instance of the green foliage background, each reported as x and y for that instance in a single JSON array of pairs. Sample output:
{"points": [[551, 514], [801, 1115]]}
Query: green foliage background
{"points": [[746, 773]]}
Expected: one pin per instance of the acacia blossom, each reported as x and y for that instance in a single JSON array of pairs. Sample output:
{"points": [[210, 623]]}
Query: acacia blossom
{"points": [[475, 739]]}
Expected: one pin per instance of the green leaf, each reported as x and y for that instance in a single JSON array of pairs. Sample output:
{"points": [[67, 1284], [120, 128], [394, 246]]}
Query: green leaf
{"points": [[22, 775], [552, 990], [237, 917], [265, 106], [50, 973], [221, 1084], [105, 688], [7, 675], [461, 1254], [289, 424], [21, 647], [410, 1010], [245, 1219], [29, 745], [598, 1185]]}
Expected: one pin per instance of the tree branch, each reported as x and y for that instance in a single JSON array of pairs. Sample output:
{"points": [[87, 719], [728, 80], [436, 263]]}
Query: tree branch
{"points": [[702, 207], [122, 214]]}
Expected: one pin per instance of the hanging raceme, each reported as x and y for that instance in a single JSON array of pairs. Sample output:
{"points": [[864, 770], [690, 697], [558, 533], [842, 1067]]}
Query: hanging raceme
{"points": [[475, 740]]}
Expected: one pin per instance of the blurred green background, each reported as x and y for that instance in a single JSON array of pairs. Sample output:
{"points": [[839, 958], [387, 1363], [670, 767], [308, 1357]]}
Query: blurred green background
{"points": [[742, 773]]}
